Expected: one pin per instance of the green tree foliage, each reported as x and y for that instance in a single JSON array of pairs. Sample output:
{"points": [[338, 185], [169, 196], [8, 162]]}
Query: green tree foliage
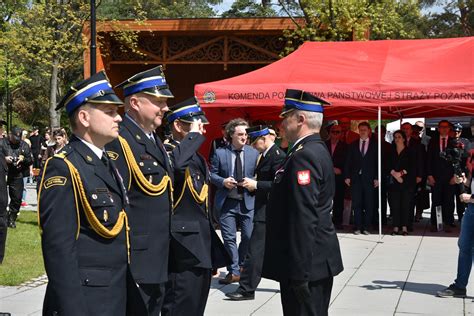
{"points": [[44, 39], [341, 20], [250, 8], [453, 18], [123, 9]]}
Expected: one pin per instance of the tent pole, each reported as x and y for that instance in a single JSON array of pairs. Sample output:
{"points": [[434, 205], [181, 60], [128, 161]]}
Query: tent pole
{"points": [[379, 149]]}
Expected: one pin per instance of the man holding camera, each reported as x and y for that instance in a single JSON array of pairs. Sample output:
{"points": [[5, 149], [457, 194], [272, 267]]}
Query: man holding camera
{"points": [[18, 157], [229, 166]]}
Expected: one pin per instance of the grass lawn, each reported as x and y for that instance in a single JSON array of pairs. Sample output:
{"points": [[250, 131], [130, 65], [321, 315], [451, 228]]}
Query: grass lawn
{"points": [[23, 258]]}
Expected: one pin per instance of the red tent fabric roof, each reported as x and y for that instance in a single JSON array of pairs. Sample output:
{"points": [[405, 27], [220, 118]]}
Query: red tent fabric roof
{"points": [[407, 78]]}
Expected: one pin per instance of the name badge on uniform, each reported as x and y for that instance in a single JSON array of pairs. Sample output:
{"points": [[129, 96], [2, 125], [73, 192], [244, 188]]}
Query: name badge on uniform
{"points": [[304, 177]]}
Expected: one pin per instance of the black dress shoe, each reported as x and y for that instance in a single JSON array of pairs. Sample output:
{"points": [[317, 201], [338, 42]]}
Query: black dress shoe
{"points": [[240, 295], [230, 278]]}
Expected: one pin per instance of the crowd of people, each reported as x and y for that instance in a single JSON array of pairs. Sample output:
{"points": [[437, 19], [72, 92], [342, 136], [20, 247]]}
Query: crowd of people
{"points": [[127, 215], [413, 166]]}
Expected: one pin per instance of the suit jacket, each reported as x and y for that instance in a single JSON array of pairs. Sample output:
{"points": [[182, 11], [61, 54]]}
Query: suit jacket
{"points": [[301, 243], [194, 241], [86, 272], [416, 148], [149, 216], [221, 168], [265, 173], [436, 166], [360, 167], [404, 161], [339, 155]]}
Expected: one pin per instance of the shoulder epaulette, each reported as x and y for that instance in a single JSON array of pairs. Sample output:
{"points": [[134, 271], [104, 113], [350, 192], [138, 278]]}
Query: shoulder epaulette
{"points": [[60, 155]]}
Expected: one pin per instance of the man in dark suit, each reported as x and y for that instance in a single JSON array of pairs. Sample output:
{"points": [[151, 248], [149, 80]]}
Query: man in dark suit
{"points": [[415, 150], [82, 210], [147, 174], [386, 152], [360, 174], [270, 159], [338, 150], [190, 280], [441, 177], [229, 166], [301, 247]]}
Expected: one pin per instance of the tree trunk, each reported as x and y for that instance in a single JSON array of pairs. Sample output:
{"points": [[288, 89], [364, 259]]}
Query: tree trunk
{"points": [[54, 116]]}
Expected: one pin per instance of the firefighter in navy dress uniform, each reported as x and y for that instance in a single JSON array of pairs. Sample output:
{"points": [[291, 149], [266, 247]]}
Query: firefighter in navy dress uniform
{"points": [[82, 210], [301, 247], [191, 228], [147, 173], [270, 160]]}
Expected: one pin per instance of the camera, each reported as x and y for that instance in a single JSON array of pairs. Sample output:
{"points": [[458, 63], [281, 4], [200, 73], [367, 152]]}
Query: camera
{"points": [[456, 155], [15, 161]]}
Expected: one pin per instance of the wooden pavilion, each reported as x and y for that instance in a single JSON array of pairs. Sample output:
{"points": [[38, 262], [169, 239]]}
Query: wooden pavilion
{"points": [[191, 50]]}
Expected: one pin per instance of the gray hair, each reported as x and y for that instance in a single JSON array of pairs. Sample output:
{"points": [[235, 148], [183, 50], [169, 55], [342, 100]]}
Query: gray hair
{"points": [[314, 119]]}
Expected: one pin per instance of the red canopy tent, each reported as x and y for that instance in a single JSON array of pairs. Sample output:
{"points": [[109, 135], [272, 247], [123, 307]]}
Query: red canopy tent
{"points": [[406, 78], [362, 80]]}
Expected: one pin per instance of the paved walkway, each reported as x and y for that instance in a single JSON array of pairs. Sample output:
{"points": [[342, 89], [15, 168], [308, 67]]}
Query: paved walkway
{"points": [[397, 276]]}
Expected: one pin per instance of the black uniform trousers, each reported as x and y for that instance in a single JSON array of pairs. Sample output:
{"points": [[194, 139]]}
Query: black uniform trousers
{"points": [[3, 213], [338, 201], [144, 299], [15, 190], [178, 302], [443, 195], [316, 305], [252, 267]]}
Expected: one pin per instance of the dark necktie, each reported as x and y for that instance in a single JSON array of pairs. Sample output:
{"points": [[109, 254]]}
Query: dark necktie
{"points": [[105, 160], [238, 172], [362, 150], [443, 144], [118, 179]]}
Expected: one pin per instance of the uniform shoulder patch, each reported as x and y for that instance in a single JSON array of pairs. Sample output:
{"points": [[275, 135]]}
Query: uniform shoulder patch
{"points": [[304, 177], [300, 146], [112, 155], [56, 180]]}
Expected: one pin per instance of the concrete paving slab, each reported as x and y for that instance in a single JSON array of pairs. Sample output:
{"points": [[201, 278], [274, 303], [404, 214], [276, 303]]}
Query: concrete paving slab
{"points": [[413, 302], [397, 276], [382, 300], [377, 278]]}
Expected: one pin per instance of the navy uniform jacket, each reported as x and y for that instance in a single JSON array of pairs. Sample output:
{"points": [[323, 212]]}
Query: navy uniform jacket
{"points": [[194, 242], [149, 215], [301, 243], [265, 173], [86, 272]]}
